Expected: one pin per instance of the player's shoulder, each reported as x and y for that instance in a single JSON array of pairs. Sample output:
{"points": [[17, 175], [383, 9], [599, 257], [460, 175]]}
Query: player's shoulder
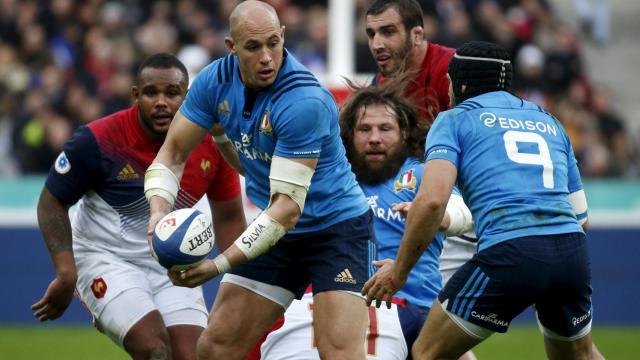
{"points": [[440, 56], [295, 84], [113, 127], [220, 71], [442, 51], [412, 163]]}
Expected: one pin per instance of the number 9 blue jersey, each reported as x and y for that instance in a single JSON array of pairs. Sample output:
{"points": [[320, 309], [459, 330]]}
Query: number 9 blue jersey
{"points": [[515, 164]]}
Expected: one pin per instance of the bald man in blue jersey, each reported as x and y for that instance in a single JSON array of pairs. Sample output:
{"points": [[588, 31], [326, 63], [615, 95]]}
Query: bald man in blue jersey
{"points": [[278, 126], [515, 167]]}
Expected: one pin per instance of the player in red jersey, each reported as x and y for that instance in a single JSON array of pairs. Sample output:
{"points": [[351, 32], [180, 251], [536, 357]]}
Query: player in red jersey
{"points": [[397, 43], [396, 40], [103, 253]]}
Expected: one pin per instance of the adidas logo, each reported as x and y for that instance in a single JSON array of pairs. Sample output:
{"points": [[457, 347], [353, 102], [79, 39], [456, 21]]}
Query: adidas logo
{"points": [[127, 173], [345, 277]]}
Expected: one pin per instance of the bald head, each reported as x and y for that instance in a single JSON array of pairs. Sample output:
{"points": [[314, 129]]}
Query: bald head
{"points": [[257, 40], [250, 12]]}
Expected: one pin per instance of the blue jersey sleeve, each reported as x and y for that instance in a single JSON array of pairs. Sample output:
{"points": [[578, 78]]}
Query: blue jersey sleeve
{"points": [[442, 140], [77, 168], [574, 183], [198, 105], [301, 129]]}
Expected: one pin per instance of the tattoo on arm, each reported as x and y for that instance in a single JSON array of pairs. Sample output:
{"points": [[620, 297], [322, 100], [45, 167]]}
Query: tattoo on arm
{"points": [[54, 223]]}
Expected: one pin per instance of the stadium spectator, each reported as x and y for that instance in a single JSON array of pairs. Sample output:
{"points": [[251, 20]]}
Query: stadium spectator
{"points": [[499, 282], [103, 253], [279, 127], [70, 27]]}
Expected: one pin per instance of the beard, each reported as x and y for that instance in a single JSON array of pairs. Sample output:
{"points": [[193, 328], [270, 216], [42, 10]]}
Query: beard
{"points": [[369, 175], [401, 55]]}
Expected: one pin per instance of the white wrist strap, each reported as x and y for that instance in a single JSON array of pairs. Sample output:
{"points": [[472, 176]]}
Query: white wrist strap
{"points": [[260, 236], [219, 139], [159, 180], [222, 264]]}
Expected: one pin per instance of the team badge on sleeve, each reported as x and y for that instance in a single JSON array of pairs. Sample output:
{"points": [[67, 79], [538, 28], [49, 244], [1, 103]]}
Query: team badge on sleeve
{"points": [[62, 164], [405, 181]]}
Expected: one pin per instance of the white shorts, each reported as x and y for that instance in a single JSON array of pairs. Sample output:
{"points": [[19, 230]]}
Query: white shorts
{"points": [[294, 340], [119, 293], [455, 253]]}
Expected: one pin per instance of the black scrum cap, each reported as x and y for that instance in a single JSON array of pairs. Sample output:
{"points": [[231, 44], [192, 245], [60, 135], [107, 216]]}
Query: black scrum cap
{"points": [[481, 66]]}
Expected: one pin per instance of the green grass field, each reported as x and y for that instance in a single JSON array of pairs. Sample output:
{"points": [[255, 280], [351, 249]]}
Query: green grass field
{"points": [[83, 343]]}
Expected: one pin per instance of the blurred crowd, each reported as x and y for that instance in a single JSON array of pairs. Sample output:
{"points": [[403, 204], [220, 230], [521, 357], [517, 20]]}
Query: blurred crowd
{"points": [[64, 63]]}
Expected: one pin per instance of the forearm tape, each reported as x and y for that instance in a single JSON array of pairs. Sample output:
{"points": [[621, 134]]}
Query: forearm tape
{"points": [[260, 236], [220, 139], [460, 220], [578, 201], [159, 180], [222, 264]]}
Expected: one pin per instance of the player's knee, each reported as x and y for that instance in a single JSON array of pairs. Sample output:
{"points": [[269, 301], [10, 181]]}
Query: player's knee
{"points": [[419, 350], [333, 347], [156, 349], [214, 337]]}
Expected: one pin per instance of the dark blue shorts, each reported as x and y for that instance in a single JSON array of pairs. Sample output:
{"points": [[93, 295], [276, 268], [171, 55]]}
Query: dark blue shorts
{"points": [[336, 258], [551, 272], [412, 317]]}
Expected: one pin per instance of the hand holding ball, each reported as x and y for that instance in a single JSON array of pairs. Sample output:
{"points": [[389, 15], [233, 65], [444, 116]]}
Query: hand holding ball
{"points": [[182, 239]]}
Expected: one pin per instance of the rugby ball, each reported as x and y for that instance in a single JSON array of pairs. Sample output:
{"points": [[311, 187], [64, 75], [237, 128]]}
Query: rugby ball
{"points": [[182, 239]]}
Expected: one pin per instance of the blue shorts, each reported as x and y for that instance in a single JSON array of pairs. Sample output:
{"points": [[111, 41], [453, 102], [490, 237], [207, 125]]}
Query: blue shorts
{"points": [[551, 272], [336, 258], [412, 317]]}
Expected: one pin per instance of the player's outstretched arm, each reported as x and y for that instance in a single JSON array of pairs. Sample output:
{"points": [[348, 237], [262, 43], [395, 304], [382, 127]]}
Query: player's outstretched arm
{"points": [[53, 220], [162, 179], [423, 221], [289, 182]]}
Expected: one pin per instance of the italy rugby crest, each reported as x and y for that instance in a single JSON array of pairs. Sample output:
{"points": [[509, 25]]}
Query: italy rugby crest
{"points": [[265, 123], [224, 109], [405, 181]]}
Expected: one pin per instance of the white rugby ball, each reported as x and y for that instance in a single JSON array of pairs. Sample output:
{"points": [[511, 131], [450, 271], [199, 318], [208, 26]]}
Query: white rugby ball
{"points": [[182, 239]]}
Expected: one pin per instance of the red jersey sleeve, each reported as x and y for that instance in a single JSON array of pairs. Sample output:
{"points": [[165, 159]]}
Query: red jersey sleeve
{"points": [[226, 184]]}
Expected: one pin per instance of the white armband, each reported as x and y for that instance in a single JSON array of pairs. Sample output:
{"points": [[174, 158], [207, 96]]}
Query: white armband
{"points": [[220, 139], [460, 220], [578, 201], [159, 180], [290, 178], [260, 236]]}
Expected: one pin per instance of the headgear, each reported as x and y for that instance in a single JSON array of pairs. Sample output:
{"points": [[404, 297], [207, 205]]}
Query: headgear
{"points": [[481, 66]]}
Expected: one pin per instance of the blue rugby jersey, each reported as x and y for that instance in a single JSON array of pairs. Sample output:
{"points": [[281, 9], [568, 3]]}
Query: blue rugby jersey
{"points": [[424, 281], [515, 165], [295, 117]]}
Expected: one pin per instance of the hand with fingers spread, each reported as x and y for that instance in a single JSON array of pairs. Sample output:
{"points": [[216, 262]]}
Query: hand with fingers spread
{"points": [[383, 284], [194, 276], [55, 300]]}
